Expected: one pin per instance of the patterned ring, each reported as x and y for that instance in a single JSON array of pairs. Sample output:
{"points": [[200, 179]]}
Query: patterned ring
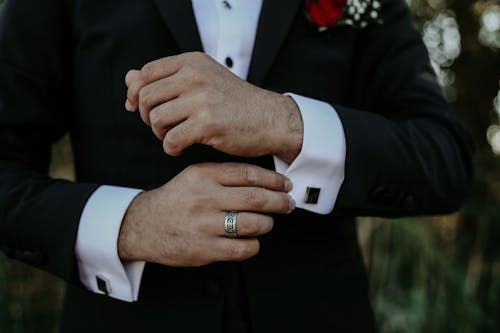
{"points": [[230, 222]]}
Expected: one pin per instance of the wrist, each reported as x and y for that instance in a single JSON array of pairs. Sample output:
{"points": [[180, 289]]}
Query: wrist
{"points": [[288, 135], [128, 238]]}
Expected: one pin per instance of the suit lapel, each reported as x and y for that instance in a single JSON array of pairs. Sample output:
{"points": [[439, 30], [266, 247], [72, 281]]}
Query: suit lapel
{"points": [[275, 20], [179, 17]]}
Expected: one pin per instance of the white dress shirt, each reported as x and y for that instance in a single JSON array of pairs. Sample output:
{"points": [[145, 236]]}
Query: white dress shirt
{"points": [[227, 31]]}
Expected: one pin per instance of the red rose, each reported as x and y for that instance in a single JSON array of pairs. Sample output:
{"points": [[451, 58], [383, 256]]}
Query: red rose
{"points": [[325, 13]]}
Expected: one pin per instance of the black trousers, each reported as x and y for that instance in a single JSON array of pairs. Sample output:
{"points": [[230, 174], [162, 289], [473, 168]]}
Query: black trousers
{"points": [[237, 316]]}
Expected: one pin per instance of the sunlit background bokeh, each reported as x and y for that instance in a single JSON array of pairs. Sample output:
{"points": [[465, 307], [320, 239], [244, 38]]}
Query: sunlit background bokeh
{"points": [[432, 274]]}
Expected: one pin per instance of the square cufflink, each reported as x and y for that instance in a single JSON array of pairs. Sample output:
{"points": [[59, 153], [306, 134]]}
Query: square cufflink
{"points": [[312, 195]]}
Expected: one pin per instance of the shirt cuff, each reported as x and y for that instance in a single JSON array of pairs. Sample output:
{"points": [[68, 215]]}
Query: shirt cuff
{"points": [[318, 171], [101, 270]]}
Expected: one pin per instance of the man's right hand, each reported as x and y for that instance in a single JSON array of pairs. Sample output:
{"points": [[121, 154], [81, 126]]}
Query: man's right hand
{"points": [[182, 223]]}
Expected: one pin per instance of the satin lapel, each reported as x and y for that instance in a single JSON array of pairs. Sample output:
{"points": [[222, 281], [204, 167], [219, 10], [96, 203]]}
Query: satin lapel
{"points": [[275, 20], [179, 17]]}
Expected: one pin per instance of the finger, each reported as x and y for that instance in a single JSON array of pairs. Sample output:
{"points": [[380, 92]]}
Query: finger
{"points": [[235, 249], [247, 225], [168, 115], [239, 174], [182, 136], [128, 106], [131, 76], [156, 93], [255, 199], [151, 72]]}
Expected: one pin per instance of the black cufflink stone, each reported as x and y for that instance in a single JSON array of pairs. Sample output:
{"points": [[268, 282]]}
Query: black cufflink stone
{"points": [[312, 195], [102, 285]]}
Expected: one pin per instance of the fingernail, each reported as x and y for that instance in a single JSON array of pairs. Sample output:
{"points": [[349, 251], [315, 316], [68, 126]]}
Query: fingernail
{"points": [[291, 204], [128, 106], [288, 185]]}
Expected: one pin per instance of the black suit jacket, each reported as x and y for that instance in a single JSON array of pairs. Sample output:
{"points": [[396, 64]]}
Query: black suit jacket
{"points": [[62, 67]]}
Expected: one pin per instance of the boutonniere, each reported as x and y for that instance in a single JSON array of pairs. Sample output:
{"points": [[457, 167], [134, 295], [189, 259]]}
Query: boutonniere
{"points": [[326, 14]]}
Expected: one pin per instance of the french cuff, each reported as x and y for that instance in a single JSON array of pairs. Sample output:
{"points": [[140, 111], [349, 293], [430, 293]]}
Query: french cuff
{"points": [[101, 269], [318, 171]]}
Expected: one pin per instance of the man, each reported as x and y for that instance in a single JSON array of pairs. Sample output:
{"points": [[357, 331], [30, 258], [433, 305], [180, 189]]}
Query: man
{"points": [[352, 117]]}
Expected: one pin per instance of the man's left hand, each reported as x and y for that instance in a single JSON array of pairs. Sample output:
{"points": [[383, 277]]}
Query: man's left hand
{"points": [[190, 98]]}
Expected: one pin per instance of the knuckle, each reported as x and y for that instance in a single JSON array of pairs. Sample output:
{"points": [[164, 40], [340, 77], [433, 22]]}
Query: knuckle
{"points": [[248, 196], [208, 259], [250, 175], [200, 202], [198, 261], [144, 116], [239, 252], [173, 136], [237, 171], [279, 181], [170, 140], [144, 97], [207, 121], [248, 228], [155, 118], [245, 250], [253, 249], [260, 226], [197, 253], [204, 227], [202, 113], [147, 72], [216, 96], [193, 168], [205, 96], [286, 203], [192, 204], [184, 131], [251, 198], [197, 55], [159, 132], [132, 91], [188, 73], [216, 254], [268, 225], [197, 171], [282, 203], [201, 173], [201, 104], [241, 171], [169, 143]]}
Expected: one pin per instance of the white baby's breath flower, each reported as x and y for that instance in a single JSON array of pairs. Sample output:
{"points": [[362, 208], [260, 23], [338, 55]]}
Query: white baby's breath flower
{"points": [[361, 13]]}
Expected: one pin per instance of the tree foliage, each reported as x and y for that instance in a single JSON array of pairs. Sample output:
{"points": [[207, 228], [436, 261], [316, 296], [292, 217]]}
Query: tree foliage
{"points": [[443, 274]]}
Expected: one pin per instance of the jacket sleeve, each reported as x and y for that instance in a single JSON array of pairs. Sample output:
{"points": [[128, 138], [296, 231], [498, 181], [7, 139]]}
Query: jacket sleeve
{"points": [[38, 216], [407, 154]]}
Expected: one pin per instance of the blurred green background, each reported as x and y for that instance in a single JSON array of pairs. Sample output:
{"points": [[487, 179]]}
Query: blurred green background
{"points": [[434, 274]]}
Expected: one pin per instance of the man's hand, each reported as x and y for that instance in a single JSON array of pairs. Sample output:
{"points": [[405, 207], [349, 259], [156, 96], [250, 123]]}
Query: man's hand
{"points": [[190, 98], [182, 223]]}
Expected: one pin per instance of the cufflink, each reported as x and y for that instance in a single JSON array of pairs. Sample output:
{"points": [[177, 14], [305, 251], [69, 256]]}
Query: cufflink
{"points": [[103, 285], [312, 195]]}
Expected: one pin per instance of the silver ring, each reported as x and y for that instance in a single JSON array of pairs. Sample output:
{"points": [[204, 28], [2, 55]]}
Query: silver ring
{"points": [[230, 222]]}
